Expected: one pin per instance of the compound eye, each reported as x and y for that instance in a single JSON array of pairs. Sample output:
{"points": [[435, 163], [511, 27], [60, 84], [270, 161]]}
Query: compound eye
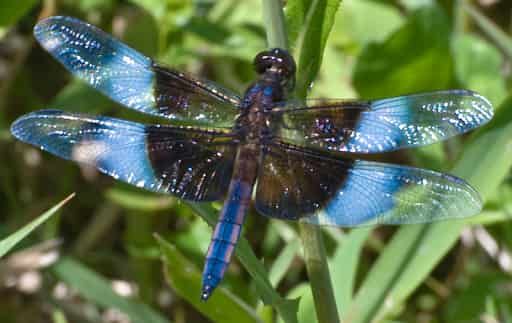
{"points": [[277, 59], [284, 61], [262, 67], [262, 62]]}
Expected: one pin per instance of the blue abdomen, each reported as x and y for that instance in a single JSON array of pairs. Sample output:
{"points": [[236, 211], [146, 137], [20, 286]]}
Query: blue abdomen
{"points": [[226, 235]]}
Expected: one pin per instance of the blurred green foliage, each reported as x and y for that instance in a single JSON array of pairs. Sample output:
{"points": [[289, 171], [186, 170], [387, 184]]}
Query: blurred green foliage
{"points": [[347, 49]]}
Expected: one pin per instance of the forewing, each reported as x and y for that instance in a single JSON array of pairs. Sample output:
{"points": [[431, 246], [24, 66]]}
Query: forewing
{"points": [[190, 164], [300, 184], [133, 79], [382, 125]]}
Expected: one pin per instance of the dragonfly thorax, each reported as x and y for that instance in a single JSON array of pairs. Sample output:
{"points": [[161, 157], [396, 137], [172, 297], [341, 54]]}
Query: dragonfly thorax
{"points": [[253, 124]]}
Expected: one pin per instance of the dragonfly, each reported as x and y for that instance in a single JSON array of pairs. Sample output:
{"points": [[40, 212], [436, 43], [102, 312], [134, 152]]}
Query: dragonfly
{"points": [[296, 160]]}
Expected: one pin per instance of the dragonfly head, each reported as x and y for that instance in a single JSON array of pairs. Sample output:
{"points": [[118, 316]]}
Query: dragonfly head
{"points": [[277, 63]]}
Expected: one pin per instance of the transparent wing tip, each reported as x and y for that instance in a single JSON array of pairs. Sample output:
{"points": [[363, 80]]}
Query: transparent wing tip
{"points": [[22, 127], [44, 32], [17, 127], [470, 109], [475, 202], [470, 202], [483, 105], [50, 32]]}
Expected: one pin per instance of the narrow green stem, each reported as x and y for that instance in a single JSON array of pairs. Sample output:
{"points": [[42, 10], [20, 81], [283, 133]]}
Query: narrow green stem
{"points": [[275, 24], [490, 29], [461, 18], [314, 250], [318, 273]]}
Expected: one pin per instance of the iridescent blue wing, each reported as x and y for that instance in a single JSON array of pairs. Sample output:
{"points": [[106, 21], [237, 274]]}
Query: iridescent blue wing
{"points": [[133, 79], [381, 125], [299, 184], [190, 164]]}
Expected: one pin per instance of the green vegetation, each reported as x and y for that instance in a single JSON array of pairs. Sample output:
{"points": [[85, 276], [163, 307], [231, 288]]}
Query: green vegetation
{"points": [[138, 256]]}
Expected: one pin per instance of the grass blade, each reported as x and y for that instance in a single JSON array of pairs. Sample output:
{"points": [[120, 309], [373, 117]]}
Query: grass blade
{"points": [[500, 38], [283, 262], [344, 266], [403, 63], [318, 273], [310, 23], [274, 18], [9, 242]]}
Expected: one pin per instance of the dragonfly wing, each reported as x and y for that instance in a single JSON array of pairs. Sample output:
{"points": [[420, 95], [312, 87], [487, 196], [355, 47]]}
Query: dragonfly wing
{"points": [[297, 184], [382, 125], [190, 164], [133, 79]]}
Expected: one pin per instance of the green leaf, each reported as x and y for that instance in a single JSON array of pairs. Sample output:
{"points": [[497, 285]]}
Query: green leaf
{"points": [[283, 261], [309, 25], [416, 249], [142, 33], [363, 21], [478, 67], [98, 290], [140, 201], [404, 62], [499, 207], [344, 266], [9, 242], [59, 317], [95, 5], [240, 42], [11, 11], [335, 77], [295, 15], [157, 8], [192, 240], [415, 4], [306, 311], [185, 279], [492, 217], [78, 96]]}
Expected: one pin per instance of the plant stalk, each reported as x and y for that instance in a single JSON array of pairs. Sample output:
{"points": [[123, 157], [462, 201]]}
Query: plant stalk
{"points": [[314, 250], [318, 273], [273, 17]]}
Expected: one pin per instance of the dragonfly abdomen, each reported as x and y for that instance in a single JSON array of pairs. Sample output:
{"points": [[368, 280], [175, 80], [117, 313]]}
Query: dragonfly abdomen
{"points": [[227, 230], [219, 254]]}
